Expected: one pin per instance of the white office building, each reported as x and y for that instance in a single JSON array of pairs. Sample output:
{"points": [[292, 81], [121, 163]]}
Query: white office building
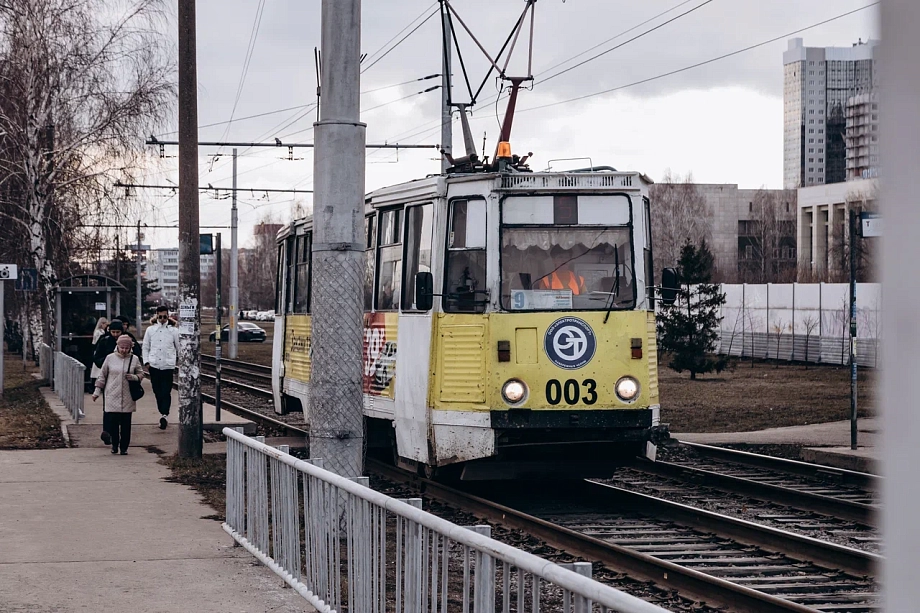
{"points": [[163, 268], [818, 83]]}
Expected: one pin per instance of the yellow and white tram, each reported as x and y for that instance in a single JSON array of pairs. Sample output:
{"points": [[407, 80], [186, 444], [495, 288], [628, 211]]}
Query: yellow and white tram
{"points": [[534, 353]]}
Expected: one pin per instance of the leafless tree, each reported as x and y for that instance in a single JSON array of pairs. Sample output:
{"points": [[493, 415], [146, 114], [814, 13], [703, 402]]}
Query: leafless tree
{"points": [[679, 215], [769, 243], [260, 266], [810, 323], [82, 81]]}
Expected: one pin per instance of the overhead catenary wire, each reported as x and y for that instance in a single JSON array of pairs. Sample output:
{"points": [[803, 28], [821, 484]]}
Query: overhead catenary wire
{"points": [[626, 42], [373, 55], [253, 37], [388, 51], [703, 63]]}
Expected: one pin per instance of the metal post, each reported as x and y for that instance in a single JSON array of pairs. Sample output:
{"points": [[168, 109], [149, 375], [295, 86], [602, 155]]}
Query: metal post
{"points": [[336, 397], [217, 335], [234, 268], [117, 272], [137, 317], [190, 442], [853, 429], [447, 137]]}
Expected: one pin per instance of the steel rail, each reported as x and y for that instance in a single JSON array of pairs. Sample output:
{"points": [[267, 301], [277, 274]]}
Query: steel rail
{"points": [[688, 582], [860, 513], [261, 368], [797, 546], [235, 408], [256, 391], [796, 467]]}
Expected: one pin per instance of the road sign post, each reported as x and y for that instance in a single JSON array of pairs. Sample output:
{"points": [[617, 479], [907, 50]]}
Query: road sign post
{"points": [[7, 273]]}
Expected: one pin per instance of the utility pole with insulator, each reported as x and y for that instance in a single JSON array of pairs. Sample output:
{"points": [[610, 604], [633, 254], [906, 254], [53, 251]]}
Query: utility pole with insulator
{"points": [[190, 444], [336, 413], [234, 269]]}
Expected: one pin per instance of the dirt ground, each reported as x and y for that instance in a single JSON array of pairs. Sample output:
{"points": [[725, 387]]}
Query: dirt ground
{"points": [[757, 395], [26, 420]]}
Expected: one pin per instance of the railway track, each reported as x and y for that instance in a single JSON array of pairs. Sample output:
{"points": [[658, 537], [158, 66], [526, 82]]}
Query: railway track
{"points": [[705, 556], [232, 371]]}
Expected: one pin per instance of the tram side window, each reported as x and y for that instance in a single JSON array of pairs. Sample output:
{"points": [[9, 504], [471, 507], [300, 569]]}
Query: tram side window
{"points": [[465, 278], [279, 280], [389, 260], [369, 247], [418, 250], [290, 275], [302, 285]]}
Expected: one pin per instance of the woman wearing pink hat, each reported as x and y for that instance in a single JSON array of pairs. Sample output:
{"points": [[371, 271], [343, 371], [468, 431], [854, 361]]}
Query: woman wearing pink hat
{"points": [[118, 369]]}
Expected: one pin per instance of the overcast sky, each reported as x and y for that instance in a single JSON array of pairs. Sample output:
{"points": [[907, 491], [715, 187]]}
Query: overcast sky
{"points": [[722, 121]]}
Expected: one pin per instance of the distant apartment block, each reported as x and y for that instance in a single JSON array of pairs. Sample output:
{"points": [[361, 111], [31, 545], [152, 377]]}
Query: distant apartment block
{"points": [[818, 83], [163, 268], [862, 137]]}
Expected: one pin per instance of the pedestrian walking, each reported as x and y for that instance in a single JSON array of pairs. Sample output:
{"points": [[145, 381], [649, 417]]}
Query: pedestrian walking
{"points": [[118, 370], [161, 349], [126, 329], [98, 333]]}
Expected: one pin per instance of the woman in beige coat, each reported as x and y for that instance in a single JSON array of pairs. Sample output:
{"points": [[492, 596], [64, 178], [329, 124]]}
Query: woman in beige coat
{"points": [[118, 369]]}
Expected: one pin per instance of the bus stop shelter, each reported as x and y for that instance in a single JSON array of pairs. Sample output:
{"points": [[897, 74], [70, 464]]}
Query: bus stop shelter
{"points": [[79, 303]]}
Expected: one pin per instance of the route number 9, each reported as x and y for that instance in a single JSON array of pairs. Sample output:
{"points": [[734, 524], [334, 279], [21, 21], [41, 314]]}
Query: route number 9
{"points": [[571, 391]]}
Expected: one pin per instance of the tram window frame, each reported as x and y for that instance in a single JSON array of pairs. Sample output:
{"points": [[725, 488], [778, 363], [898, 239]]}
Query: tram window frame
{"points": [[476, 304], [412, 262], [289, 274], [370, 263], [389, 228], [279, 278], [649, 254], [303, 254]]}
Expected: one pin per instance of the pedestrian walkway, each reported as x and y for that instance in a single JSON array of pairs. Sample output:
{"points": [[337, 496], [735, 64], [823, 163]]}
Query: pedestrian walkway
{"points": [[825, 443], [84, 530], [145, 429]]}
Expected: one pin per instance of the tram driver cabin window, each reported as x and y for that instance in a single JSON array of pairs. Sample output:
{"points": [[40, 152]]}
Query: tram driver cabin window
{"points": [[465, 278], [301, 274], [389, 260]]}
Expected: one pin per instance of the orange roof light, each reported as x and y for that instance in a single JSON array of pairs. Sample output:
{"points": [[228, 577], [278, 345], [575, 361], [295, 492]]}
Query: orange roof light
{"points": [[504, 150]]}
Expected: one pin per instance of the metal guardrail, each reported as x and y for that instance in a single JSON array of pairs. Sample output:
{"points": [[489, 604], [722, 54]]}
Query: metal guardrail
{"points": [[364, 551], [68, 383], [46, 363]]}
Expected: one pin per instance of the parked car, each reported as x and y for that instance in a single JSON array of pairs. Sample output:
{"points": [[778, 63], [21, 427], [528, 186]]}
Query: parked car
{"points": [[246, 333]]}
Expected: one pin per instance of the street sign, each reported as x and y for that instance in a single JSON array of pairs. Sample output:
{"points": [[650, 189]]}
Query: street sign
{"points": [[8, 272], [871, 225], [28, 280]]}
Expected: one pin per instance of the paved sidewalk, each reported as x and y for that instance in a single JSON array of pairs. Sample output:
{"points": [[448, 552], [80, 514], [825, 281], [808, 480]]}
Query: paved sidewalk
{"points": [[85, 530], [826, 443]]}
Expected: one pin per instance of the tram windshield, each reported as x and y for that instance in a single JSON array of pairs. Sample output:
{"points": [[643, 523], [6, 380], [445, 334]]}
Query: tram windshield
{"points": [[571, 252], [567, 269]]}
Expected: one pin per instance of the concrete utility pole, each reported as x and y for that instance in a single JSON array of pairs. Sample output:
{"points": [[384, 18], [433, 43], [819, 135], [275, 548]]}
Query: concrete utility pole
{"points": [[234, 269], [447, 134], [190, 444], [900, 385], [336, 410]]}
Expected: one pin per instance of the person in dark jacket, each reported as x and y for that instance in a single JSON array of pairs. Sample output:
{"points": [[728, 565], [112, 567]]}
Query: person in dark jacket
{"points": [[126, 329], [106, 344]]}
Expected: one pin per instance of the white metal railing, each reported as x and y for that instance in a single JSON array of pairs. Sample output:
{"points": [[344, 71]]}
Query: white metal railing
{"points": [[345, 547], [68, 383], [46, 363]]}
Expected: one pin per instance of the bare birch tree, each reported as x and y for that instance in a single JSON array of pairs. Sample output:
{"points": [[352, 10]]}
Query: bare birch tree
{"points": [[83, 81], [679, 215], [769, 251]]}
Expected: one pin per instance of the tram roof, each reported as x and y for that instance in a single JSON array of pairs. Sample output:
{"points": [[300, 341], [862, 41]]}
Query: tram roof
{"points": [[434, 186]]}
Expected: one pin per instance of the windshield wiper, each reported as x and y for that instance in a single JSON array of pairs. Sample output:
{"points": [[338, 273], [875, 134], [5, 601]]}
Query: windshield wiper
{"points": [[616, 282]]}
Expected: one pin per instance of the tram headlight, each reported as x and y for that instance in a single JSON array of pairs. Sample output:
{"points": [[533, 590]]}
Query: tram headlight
{"points": [[627, 389], [514, 391]]}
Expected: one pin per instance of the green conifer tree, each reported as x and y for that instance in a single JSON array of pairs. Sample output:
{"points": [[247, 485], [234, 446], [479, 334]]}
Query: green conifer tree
{"points": [[688, 328]]}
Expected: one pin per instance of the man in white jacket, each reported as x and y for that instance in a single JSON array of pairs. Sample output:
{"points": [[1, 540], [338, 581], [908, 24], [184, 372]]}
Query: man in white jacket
{"points": [[161, 348]]}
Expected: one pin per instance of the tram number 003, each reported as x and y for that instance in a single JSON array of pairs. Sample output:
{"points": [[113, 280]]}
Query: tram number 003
{"points": [[571, 391]]}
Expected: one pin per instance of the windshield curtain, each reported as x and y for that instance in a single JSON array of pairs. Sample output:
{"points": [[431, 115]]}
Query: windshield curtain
{"points": [[557, 269]]}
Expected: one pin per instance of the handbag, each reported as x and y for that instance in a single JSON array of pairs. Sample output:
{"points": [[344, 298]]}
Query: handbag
{"points": [[135, 387]]}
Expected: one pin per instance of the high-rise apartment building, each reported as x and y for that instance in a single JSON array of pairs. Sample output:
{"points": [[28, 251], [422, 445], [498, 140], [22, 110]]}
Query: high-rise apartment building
{"points": [[817, 84], [862, 137]]}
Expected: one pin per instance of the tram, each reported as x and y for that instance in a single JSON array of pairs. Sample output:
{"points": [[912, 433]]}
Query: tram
{"points": [[509, 326]]}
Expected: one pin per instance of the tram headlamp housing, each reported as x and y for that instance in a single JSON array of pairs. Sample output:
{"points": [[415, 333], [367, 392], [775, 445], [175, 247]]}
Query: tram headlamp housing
{"points": [[627, 389], [514, 391]]}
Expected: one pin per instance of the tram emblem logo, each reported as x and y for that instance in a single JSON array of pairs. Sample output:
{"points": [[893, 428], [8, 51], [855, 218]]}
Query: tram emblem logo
{"points": [[569, 343]]}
